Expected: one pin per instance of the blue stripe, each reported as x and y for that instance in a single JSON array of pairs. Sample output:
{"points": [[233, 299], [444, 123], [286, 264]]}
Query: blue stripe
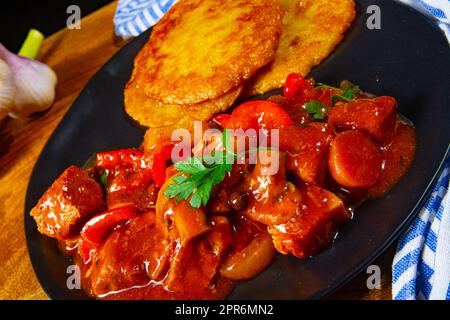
{"points": [[417, 229], [405, 263], [431, 240], [443, 182], [448, 293], [427, 227], [434, 11], [407, 291], [129, 12], [433, 203], [165, 7], [153, 14], [423, 278], [440, 212]]}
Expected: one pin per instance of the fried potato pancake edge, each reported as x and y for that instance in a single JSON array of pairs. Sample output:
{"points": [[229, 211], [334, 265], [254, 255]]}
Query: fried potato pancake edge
{"points": [[202, 49], [151, 113], [311, 30]]}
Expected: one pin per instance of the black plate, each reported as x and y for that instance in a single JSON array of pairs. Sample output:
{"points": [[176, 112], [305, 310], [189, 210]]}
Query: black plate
{"points": [[409, 58]]}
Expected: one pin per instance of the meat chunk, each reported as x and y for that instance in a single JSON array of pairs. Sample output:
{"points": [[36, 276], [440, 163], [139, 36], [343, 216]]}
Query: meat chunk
{"points": [[72, 199], [314, 228], [139, 261], [308, 151], [294, 109], [130, 257], [196, 264], [376, 117]]}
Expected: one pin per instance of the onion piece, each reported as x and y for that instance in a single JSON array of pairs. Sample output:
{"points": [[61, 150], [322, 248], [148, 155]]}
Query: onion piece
{"points": [[250, 261]]}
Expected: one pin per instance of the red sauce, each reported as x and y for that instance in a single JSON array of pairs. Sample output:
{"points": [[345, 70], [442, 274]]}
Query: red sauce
{"points": [[170, 250]]}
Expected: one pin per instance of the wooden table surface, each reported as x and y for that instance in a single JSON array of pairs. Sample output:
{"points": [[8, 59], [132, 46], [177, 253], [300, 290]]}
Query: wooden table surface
{"points": [[76, 55]]}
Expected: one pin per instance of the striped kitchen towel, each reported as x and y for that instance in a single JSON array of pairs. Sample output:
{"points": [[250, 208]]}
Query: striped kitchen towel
{"points": [[421, 266], [439, 9], [135, 16]]}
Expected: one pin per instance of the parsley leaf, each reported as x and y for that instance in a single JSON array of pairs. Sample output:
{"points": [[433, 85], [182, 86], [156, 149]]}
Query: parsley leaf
{"points": [[199, 177], [348, 89], [317, 109], [192, 166], [347, 95], [198, 186]]}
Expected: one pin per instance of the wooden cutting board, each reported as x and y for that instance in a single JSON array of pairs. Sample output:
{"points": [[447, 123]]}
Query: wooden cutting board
{"points": [[76, 55]]}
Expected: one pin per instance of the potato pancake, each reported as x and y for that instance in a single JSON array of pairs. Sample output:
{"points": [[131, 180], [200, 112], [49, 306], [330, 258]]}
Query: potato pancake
{"points": [[202, 49], [152, 113], [311, 30]]}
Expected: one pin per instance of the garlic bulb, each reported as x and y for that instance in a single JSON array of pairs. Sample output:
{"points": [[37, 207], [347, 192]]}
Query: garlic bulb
{"points": [[7, 89], [34, 84]]}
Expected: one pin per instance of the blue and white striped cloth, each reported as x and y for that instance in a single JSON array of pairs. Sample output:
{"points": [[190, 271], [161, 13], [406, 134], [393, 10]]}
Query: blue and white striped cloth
{"points": [[421, 267], [439, 9], [135, 16]]}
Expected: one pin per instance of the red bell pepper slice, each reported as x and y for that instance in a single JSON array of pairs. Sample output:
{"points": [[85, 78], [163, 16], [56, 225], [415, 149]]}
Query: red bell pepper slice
{"points": [[96, 230], [109, 160], [126, 158], [257, 114], [161, 155]]}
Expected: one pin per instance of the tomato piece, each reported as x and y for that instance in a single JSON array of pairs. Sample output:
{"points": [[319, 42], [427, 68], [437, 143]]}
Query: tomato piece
{"points": [[222, 119], [257, 114], [295, 84], [161, 155], [298, 89], [96, 230], [354, 160]]}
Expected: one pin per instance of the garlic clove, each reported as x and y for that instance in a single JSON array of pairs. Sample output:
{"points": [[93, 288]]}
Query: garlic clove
{"points": [[35, 89], [7, 89], [34, 82]]}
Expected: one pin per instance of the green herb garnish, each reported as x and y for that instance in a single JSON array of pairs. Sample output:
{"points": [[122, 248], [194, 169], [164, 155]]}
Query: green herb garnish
{"points": [[199, 177], [348, 89], [318, 109], [198, 185]]}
